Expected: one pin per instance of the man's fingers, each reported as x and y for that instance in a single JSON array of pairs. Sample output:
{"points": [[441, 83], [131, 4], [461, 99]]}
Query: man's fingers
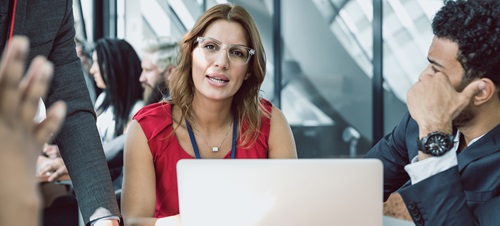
{"points": [[11, 72], [472, 89], [34, 85], [51, 124]]}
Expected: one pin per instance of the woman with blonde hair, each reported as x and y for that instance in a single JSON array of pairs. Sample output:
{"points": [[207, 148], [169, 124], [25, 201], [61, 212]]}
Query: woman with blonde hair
{"points": [[214, 112]]}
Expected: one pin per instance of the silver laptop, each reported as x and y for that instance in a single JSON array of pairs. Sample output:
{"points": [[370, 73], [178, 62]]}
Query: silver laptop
{"points": [[298, 192]]}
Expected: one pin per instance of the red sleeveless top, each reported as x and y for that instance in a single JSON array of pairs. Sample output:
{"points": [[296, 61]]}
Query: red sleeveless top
{"points": [[156, 122]]}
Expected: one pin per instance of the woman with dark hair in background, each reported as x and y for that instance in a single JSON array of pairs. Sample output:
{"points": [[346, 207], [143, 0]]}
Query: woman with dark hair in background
{"points": [[116, 70]]}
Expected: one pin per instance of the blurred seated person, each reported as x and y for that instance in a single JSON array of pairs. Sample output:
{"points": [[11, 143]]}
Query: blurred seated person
{"points": [[116, 69], [21, 136], [159, 58], [215, 112], [84, 52]]}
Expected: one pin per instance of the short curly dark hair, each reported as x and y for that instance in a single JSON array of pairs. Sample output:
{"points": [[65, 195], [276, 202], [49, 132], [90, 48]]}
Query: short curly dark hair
{"points": [[475, 26]]}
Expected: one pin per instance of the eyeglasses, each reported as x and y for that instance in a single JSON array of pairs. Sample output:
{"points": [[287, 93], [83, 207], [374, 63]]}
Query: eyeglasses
{"points": [[237, 54]]}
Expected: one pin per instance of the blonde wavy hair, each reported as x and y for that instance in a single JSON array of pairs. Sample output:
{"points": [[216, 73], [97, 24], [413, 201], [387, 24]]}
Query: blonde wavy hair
{"points": [[246, 102]]}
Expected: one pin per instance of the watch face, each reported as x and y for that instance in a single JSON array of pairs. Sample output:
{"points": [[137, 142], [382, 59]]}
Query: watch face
{"points": [[437, 144]]}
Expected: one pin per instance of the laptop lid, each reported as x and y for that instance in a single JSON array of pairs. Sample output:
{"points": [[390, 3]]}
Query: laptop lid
{"points": [[271, 192]]}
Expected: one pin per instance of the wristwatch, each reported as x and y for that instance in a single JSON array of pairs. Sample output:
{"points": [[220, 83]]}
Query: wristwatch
{"points": [[436, 143]]}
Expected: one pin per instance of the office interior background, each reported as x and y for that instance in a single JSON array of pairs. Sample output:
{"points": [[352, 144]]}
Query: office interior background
{"points": [[338, 69]]}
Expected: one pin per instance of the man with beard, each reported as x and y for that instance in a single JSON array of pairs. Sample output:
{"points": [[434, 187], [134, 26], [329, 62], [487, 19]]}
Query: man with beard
{"points": [[444, 156], [159, 58]]}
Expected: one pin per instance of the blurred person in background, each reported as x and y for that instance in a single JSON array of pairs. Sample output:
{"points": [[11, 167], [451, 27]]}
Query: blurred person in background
{"points": [[116, 70], [159, 59]]}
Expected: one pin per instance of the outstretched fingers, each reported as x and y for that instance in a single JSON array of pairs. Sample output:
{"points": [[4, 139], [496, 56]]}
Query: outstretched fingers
{"points": [[11, 71], [20, 96]]}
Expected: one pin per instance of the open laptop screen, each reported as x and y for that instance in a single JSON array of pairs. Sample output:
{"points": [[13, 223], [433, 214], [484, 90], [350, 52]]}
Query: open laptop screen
{"points": [[272, 192]]}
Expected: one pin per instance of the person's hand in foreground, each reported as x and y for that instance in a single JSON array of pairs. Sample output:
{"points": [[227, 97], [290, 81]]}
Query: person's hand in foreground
{"points": [[22, 138]]}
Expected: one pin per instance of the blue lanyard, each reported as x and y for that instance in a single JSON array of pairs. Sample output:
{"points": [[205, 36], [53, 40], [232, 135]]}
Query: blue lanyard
{"points": [[195, 147]]}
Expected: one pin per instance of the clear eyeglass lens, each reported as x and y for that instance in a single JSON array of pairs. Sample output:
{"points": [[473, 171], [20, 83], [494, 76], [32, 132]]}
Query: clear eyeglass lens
{"points": [[237, 54]]}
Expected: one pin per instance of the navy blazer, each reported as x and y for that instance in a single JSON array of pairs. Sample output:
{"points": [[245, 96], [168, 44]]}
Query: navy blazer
{"points": [[49, 27], [467, 194]]}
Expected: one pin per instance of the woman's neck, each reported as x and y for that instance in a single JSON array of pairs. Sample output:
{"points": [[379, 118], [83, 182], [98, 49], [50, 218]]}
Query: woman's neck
{"points": [[211, 115]]}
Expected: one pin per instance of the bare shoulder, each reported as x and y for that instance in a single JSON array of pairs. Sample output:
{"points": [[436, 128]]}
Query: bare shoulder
{"points": [[277, 116], [281, 141], [136, 139], [135, 129]]}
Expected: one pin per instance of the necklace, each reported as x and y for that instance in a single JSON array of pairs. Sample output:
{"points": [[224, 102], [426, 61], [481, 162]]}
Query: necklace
{"points": [[195, 147], [214, 148]]}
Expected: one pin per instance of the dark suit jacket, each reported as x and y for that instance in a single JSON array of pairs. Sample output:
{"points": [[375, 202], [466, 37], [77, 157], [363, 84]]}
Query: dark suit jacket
{"points": [[49, 26], [467, 194]]}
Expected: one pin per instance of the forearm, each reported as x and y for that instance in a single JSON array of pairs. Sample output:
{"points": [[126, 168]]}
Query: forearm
{"points": [[79, 140], [87, 168], [81, 148]]}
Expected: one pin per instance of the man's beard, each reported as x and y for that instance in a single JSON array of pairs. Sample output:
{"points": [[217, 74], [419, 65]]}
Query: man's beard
{"points": [[155, 94], [467, 115], [464, 118]]}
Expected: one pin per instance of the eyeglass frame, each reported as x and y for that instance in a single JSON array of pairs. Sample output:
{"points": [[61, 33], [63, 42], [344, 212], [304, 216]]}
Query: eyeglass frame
{"points": [[251, 51]]}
